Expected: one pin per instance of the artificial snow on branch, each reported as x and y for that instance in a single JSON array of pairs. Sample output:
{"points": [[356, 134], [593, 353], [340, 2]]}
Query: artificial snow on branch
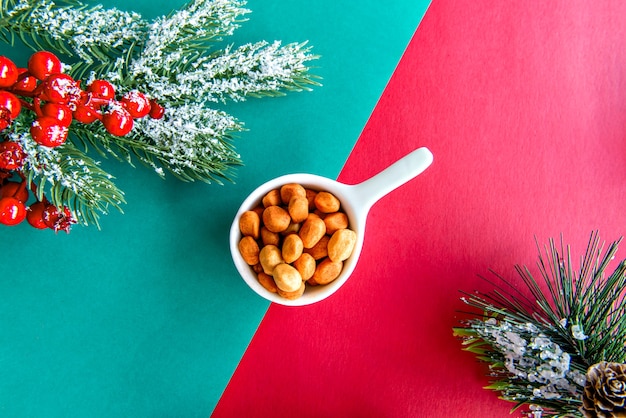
{"points": [[175, 60], [556, 344]]}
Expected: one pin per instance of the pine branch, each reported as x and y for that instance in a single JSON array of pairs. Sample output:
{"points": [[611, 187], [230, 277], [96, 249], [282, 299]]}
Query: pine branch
{"points": [[579, 313], [194, 27], [97, 37], [249, 71], [169, 58], [173, 60], [209, 155]]}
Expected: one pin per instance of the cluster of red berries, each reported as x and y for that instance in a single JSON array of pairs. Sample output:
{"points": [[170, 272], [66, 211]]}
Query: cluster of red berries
{"points": [[56, 100], [40, 214]]}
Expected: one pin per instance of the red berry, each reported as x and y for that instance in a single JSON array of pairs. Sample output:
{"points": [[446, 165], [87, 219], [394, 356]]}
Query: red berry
{"points": [[12, 211], [156, 110], [25, 83], [117, 121], [61, 88], [11, 155], [57, 220], [43, 63], [60, 112], [34, 215], [136, 103], [10, 104], [48, 131], [14, 189], [8, 72], [85, 114], [102, 89]]}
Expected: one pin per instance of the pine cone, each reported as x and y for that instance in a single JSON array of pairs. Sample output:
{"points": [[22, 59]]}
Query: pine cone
{"points": [[604, 395]]}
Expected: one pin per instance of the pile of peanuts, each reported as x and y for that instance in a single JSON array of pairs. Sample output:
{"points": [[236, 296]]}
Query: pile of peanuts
{"points": [[296, 237]]}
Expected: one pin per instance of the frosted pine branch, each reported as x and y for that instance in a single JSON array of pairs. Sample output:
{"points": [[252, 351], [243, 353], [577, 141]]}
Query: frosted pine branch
{"points": [[88, 33], [191, 27], [176, 61], [191, 141], [529, 355], [251, 70]]}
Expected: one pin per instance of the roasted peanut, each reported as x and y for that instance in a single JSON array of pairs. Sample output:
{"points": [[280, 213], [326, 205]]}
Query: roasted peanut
{"points": [[276, 219], [271, 198], [298, 209], [268, 237], [312, 230], [267, 282], [249, 224], [290, 190], [269, 257], [327, 202], [305, 264], [319, 213], [249, 250], [292, 248], [335, 221], [259, 210], [287, 278], [310, 197], [291, 229], [314, 215], [320, 249], [341, 244], [292, 295], [327, 271]]}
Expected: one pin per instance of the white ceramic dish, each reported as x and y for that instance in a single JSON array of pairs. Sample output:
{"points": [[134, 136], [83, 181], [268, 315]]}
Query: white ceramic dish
{"points": [[356, 201]]}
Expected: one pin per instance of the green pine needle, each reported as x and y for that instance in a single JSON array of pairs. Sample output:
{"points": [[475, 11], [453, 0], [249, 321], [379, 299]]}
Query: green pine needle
{"points": [[579, 311]]}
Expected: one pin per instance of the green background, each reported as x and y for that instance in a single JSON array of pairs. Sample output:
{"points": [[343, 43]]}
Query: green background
{"points": [[148, 317]]}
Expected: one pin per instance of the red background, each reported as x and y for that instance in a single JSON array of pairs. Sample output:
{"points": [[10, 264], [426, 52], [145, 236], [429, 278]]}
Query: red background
{"points": [[523, 105]]}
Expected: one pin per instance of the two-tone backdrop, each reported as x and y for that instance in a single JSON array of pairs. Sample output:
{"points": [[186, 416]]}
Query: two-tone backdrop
{"points": [[524, 108]]}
